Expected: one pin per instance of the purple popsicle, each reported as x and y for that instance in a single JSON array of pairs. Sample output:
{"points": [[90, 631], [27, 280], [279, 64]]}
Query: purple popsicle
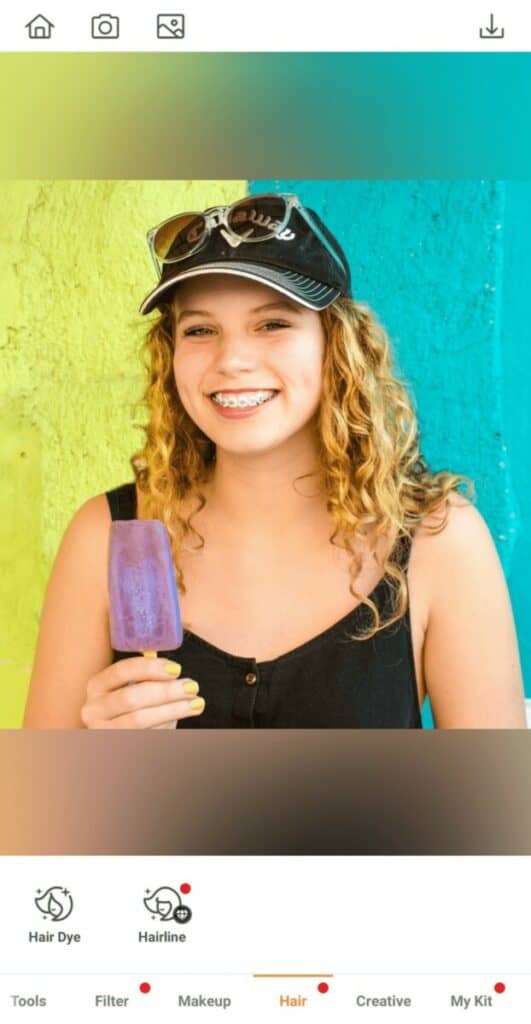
{"points": [[144, 606]]}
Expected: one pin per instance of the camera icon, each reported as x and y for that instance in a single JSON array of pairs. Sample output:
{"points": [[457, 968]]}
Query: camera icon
{"points": [[105, 26]]}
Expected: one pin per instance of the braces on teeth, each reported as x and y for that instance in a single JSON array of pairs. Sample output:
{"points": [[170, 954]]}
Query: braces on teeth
{"points": [[234, 402]]}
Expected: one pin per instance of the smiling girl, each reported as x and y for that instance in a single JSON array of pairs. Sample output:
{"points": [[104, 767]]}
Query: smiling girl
{"points": [[327, 578]]}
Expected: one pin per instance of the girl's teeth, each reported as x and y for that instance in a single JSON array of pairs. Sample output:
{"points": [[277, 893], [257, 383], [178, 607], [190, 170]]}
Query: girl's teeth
{"points": [[235, 401]]}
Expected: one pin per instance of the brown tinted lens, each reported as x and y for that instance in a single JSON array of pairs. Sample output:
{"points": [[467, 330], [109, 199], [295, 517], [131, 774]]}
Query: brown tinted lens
{"points": [[179, 237], [256, 217]]}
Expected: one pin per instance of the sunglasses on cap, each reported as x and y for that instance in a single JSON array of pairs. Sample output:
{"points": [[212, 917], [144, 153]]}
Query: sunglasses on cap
{"points": [[253, 219]]}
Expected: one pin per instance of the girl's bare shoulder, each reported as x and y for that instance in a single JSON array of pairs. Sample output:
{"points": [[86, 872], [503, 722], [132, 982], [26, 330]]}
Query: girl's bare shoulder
{"points": [[89, 524], [470, 650], [453, 531], [85, 543], [452, 550], [454, 562]]}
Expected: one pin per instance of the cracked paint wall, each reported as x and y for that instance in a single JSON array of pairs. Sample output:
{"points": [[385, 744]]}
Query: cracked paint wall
{"points": [[74, 269]]}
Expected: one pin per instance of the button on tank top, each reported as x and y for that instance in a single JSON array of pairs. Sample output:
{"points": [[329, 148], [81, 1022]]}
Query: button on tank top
{"points": [[329, 682]]}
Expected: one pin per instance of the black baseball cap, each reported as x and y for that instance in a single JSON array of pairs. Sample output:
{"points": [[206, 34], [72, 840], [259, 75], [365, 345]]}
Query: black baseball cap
{"points": [[296, 263]]}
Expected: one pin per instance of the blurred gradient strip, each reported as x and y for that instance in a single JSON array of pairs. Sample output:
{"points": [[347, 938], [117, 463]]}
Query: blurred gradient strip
{"points": [[286, 792], [255, 115]]}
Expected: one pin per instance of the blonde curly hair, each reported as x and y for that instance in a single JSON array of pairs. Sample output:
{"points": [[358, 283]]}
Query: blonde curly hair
{"points": [[372, 474]]}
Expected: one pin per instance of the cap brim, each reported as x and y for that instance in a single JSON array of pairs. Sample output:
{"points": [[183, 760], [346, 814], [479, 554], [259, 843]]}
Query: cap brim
{"points": [[312, 294]]}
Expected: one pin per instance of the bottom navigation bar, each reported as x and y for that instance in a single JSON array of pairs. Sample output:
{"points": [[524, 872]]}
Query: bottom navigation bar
{"points": [[240, 997]]}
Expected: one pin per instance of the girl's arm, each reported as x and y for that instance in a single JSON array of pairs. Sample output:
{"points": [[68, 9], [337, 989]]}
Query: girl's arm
{"points": [[73, 642], [470, 656]]}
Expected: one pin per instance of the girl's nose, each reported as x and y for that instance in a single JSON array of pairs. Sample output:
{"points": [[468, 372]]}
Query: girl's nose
{"points": [[235, 350]]}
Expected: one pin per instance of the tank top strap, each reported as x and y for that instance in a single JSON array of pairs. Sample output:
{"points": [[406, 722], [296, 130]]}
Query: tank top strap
{"points": [[122, 501]]}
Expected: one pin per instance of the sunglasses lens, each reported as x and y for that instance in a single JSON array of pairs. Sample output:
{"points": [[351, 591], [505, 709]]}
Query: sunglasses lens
{"points": [[179, 237], [257, 217]]}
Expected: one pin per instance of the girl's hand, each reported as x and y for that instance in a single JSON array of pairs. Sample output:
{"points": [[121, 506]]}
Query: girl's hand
{"points": [[157, 700]]}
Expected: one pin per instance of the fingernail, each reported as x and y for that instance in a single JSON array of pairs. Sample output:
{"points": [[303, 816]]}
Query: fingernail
{"points": [[172, 668], [197, 704], [191, 686]]}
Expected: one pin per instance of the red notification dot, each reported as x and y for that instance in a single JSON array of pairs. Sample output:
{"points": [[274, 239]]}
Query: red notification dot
{"points": [[322, 987], [185, 888], [145, 987], [499, 987]]}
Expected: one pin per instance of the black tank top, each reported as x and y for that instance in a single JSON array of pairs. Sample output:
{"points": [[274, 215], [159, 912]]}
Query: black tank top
{"points": [[329, 682]]}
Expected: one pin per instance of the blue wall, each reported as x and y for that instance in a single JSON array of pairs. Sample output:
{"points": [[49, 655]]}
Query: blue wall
{"points": [[445, 265], [515, 332]]}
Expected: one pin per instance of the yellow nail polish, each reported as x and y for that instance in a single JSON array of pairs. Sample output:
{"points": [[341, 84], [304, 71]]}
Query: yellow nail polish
{"points": [[197, 703], [172, 668], [191, 686]]}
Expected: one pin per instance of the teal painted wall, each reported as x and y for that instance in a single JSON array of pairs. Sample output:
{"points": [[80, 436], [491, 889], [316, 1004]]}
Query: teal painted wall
{"points": [[445, 265], [515, 329]]}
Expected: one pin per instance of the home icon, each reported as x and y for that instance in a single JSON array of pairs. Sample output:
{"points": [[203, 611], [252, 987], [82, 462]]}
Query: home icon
{"points": [[39, 27]]}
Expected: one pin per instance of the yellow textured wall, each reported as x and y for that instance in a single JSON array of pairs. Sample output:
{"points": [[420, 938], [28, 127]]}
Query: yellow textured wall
{"points": [[74, 269]]}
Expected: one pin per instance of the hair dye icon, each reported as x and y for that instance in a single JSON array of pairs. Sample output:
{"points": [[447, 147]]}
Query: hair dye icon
{"points": [[165, 904], [55, 904]]}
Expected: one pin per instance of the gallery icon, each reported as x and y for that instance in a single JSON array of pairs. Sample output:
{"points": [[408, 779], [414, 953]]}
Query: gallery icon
{"points": [[55, 904], [39, 27], [105, 26], [170, 26], [165, 904]]}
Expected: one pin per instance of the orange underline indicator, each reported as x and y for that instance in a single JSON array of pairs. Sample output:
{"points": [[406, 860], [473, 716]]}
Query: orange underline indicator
{"points": [[322, 975]]}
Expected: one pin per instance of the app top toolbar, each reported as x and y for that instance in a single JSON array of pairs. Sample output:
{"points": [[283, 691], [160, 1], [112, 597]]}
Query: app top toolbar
{"points": [[105, 27], [207, 26]]}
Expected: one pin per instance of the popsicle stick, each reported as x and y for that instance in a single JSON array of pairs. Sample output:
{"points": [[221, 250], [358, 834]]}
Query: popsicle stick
{"points": [[166, 725]]}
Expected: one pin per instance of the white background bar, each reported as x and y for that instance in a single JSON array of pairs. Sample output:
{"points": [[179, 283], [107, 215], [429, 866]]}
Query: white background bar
{"points": [[432, 929], [213, 26]]}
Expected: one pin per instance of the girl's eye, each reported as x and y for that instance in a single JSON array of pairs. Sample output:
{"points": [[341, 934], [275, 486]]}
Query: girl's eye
{"points": [[192, 331], [275, 324]]}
